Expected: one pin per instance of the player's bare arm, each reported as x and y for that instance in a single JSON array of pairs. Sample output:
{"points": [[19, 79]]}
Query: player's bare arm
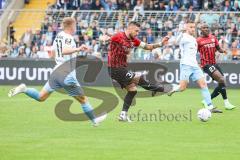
{"points": [[104, 38], [156, 45], [221, 50], [67, 51]]}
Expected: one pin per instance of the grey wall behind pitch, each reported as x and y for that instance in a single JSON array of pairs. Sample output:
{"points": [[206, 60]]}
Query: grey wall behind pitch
{"points": [[37, 72]]}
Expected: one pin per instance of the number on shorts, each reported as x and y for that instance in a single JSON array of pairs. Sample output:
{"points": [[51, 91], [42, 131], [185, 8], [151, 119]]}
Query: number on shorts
{"points": [[129, 74], [212, 69]]}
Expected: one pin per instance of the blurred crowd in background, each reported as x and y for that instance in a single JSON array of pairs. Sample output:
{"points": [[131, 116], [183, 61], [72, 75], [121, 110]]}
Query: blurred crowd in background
{"points": [[37, 42]]}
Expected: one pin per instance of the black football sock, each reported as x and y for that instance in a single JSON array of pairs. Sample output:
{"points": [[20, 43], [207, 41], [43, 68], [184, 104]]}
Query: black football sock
{"points": [[223, 91], [216, 92], [128, 100], [151, 87]]}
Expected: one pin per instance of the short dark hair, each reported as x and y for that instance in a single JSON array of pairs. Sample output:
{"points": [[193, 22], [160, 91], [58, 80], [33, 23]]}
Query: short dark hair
{"points": [[190, 21], [135, 23], [204, 24]]}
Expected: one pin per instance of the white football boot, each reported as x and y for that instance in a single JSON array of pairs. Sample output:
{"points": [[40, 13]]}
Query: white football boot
{"points": [[19, 89]]}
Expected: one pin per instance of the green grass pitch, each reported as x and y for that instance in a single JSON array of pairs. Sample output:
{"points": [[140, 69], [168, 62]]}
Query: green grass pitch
{"points": [[30, 130]]}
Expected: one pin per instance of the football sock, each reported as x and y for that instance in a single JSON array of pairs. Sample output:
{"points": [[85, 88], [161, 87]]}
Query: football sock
{"points": [[88, 110], [148, 86], [206, 96], [33, 93], [226, 102], [219, 89], [128, 100], [216, 92], [223, 90]]}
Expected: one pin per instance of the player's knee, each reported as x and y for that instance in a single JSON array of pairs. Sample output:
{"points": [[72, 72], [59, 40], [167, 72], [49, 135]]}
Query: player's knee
{"points": [[182, 87], [203, 84], [131, 87], [43, 95], [221, 81], [42, 98], [136, 80], [82, 99]]}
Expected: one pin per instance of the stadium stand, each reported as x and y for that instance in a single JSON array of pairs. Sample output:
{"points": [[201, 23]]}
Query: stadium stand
{"points": [[158, 18]]}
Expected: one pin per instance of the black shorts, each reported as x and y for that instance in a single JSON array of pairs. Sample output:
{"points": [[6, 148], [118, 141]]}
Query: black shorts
{"points": [[211, 68], [121, 75]]}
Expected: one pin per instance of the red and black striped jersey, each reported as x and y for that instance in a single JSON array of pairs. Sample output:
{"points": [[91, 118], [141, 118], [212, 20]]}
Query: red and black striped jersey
{"points": [[207, 49], [119, 47]]}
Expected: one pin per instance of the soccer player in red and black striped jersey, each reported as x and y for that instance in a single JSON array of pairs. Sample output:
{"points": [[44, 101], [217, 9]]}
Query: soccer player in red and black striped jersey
{"points": [[120, 46], [207, 47]]}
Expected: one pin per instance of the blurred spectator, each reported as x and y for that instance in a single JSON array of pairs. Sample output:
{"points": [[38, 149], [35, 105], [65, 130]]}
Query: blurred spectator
{"points": [[236, 7], [3, 50], [226, 6], [27, 37], [14, 50], [138, 9], [42, 53], [43, 41], [11, 32], [86, 5], [228, 37], [50, 35], [235, 51], [167, 53], [37, 37], [150, 37], [154, 25], [150, 6], [222, 19], [210, 18], [172, 40], [21, 52], [172, 6], [161, 6], [1, 4], [75, 4], [109, 5], [177, 53], [34, 52], [26, 1], [95, 49], [196, 4], [96, 5], [60, 4]]}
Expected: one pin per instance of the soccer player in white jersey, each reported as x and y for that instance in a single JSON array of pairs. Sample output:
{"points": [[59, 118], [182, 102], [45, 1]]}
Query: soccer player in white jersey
{"points": [[64, 75], [189, 68]]}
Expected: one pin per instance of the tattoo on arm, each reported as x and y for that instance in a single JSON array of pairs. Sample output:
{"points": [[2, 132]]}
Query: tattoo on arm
{"points": [[152, 46], [219, 49]]}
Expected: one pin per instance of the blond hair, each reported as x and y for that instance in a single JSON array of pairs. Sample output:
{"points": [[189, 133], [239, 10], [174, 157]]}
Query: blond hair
{"points": [[68, 22]]}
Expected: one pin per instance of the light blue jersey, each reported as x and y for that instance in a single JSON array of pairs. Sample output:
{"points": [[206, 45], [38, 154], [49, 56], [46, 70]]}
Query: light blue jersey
{"points": [[189, 68], [64, 74]]}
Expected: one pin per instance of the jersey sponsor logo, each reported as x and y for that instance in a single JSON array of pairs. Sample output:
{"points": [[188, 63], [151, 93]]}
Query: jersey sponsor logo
{"points": [[68, 41], [210, 45]]}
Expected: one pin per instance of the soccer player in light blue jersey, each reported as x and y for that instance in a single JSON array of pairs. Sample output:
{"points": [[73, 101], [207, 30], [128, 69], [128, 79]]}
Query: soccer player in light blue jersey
{"points": [[64, 75], [189, 68]]}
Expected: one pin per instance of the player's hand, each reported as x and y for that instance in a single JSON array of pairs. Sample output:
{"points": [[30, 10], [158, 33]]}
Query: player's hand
{"points": [[224, 51], [104, 38], [165, 40], [83, 47], [182, 30]]}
